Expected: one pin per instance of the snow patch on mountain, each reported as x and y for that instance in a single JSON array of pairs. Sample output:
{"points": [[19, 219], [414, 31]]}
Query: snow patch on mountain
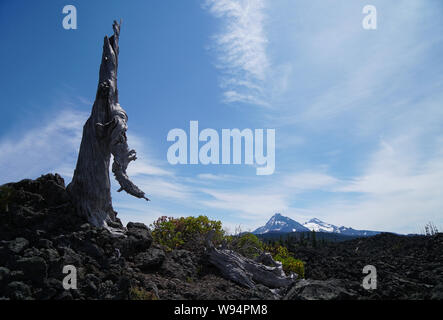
{"points": [[279, 223], [320, 226]]}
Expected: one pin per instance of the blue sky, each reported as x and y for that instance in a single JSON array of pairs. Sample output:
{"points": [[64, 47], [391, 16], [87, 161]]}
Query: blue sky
{"points": [[357, 113]]}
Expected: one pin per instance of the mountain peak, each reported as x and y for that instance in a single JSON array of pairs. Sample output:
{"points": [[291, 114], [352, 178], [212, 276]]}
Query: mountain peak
{"points": [[280, 223]]}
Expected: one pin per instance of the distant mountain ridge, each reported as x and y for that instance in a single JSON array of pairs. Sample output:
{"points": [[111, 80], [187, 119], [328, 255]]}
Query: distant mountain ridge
{"points": [[279, 223]]}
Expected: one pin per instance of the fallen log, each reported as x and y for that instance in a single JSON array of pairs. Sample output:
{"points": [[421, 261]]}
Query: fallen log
{"points": [[248, 272]]}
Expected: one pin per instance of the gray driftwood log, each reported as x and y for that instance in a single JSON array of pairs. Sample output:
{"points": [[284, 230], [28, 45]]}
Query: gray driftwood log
{"points": [[248, 272], [104, 133]]}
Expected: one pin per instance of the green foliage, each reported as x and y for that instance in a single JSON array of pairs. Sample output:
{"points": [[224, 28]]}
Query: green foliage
{"points": [[246, 244], [289, 263], [187, 233], [6, 196], [136, 293], [189, 280]]}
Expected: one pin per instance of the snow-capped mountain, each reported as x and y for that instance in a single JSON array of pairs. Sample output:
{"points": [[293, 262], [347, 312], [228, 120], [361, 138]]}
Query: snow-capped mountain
{"points": [[352, 232], [319, 226], [279, 223]]}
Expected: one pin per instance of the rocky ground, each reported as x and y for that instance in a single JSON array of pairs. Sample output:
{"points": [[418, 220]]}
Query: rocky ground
{"points": [[40, 234], [408, 267]]}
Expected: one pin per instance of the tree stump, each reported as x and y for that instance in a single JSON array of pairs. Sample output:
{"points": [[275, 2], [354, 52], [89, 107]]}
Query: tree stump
{"points": [[104, 133]]}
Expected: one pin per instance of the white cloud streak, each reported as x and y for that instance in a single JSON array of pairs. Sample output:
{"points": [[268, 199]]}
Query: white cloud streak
{"points": [[241, 49], [42, 149]]}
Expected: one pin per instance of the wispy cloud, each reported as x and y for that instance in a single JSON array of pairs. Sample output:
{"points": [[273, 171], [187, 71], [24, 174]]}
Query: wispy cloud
{"points": [[247, 204], [241, 49], [53, 146], [308, 181], [42, 149], [360, 77], [400, 190]]}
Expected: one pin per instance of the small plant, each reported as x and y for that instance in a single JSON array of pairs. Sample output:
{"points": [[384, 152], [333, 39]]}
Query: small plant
{"points": [[189, 280], [187, 233], [137, 293], [246, 244], [6, 195], [289, 263]]}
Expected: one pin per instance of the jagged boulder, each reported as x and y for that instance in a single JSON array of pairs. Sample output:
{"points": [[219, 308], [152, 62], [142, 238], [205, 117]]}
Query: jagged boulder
{"points": [[150, 259], [34, 208], [138, 238]]}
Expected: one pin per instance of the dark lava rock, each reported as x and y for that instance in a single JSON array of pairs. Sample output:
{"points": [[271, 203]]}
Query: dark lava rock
{"points": [[180, 264], [151, 259], [139, 231], [18, 245], [332, 289], [35, 268], [18, 291], [408, 267], [437, 292], [138, 239], [4, 274], [50, 188]]}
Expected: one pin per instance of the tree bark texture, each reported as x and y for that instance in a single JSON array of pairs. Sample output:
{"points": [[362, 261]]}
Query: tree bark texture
{"points": [[248, 272], [104, 133]]}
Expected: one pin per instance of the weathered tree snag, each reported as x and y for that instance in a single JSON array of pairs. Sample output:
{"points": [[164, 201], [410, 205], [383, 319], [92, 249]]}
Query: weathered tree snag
{"points": [[247, 272], [104, 133]]}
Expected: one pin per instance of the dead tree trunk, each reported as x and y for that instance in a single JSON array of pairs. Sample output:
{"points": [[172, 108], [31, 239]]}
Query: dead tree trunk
{"points": [[248, 272], [104, 133]]}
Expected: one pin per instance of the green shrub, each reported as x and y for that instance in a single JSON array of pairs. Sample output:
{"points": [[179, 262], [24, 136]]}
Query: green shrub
{"points": [[136, 293], [246, 244], [289, 263], [187, 233]]}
